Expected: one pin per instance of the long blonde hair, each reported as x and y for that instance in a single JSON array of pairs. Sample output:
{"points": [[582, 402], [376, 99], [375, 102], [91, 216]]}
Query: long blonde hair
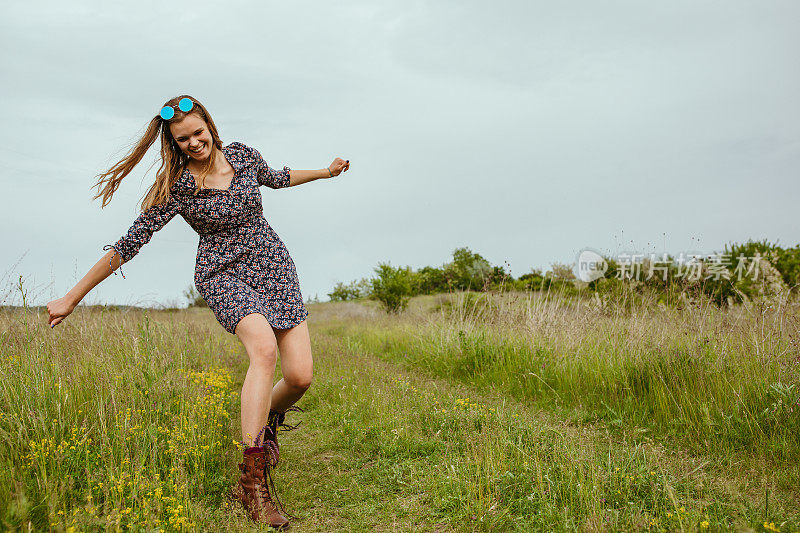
{"points": [[173, 160]]}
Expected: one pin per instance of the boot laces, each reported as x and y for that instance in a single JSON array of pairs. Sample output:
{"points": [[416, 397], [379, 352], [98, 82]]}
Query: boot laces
{"points": [[276, 418], [267, 488], [271, 488]]}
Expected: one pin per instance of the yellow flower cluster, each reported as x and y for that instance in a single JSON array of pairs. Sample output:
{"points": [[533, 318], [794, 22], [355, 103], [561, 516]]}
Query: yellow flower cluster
{"points": [[47, 448], [219, 379], [126, 489], [464, 402], [176, 517]]}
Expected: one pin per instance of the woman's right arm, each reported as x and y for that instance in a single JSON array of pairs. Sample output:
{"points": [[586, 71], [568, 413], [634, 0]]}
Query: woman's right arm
{"points": [[60, 308]]}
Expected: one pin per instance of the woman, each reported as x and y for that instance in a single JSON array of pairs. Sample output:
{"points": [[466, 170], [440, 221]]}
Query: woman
{"points": [[243, 270]]}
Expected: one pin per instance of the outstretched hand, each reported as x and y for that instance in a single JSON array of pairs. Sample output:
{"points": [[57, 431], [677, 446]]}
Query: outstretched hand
{"points": [[338, 166], [58, 310]]}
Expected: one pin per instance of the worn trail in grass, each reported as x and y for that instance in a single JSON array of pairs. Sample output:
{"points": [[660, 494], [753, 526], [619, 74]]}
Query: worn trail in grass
{"points": [[387, 448]]}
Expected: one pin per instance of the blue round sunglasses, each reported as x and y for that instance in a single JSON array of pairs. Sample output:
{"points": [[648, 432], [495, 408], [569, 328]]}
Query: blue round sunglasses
{"points": [[167, 112]]}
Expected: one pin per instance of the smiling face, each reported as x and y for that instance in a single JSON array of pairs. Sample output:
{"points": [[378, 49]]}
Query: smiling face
{"points": [[192, 134]]}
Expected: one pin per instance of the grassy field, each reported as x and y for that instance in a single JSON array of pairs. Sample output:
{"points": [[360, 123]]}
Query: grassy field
{"points": [[509, 412]]}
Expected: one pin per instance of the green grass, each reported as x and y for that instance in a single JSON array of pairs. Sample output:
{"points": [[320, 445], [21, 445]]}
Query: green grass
{"points": [[717, 381], [127, 420]]}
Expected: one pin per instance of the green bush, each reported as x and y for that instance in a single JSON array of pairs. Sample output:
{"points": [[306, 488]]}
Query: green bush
{"points": [[467, 271], [393, 287], [532, 281], [788, 264], [781, 262], [430, 280], [351, 291]]}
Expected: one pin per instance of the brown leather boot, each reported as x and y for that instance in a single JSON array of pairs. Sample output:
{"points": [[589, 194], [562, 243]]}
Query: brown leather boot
{"points": [[276, 420], [255, 489]]}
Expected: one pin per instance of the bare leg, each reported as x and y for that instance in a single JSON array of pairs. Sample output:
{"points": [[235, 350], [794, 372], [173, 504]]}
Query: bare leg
{"points": [[296, 366], [259, 340]]}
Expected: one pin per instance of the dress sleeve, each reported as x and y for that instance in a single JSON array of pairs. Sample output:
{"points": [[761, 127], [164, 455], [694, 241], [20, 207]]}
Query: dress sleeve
{"points": [[270, 177], [143, 228]]}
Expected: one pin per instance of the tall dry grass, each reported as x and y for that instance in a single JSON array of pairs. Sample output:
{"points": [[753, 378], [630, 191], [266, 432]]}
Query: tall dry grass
{"points": [[717, 380]]}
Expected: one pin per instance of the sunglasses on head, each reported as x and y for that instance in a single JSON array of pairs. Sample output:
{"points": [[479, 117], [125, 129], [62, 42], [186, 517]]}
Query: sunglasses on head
{"points": [[168, 111]]}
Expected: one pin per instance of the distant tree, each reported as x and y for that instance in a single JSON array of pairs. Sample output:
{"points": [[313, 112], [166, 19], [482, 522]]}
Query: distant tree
{"points": [[786, 261], [430, 280], [193, 297], [561, 272], [351, 291], [341, 292], [532, 281], [497, 276], [393, 287], [788, 264], [467, 271]]}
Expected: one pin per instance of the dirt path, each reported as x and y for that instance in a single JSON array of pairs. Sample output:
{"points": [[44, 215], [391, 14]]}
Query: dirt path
{"points": [[383, 448]]}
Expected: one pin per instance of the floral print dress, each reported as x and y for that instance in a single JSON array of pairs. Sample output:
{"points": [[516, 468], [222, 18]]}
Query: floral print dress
{"points": [[242, 265]]}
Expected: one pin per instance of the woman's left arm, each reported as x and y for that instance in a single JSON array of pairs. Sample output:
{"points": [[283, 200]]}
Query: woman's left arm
{"points": [[298, 177]]}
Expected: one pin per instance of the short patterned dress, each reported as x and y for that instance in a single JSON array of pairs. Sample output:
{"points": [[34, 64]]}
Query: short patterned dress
{"points": [[242, 265]]}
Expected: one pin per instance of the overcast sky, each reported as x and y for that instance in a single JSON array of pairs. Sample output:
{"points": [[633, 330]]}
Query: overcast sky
{"points": [[524, 130]]}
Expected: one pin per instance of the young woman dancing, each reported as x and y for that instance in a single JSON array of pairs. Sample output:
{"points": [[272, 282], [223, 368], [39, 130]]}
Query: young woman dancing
{"points": [[243, 271]]}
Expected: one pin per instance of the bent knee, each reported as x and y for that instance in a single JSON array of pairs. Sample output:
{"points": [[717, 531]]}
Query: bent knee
{"points": [[300, 382]]}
